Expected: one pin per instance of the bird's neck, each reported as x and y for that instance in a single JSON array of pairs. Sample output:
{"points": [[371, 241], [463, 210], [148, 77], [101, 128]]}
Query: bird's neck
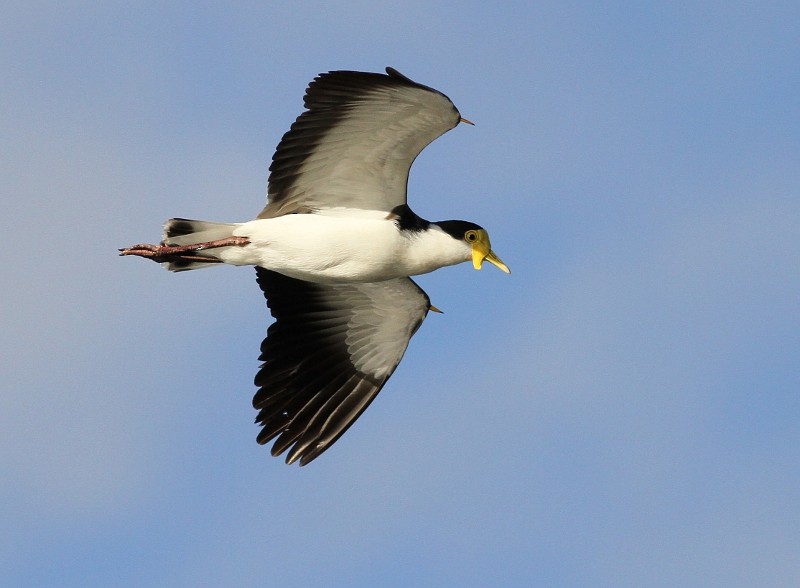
{"points": [[428, 250]]}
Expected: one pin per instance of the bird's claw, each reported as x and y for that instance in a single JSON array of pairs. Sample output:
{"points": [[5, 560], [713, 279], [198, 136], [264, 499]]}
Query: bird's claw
{"points": [[146, 250]]}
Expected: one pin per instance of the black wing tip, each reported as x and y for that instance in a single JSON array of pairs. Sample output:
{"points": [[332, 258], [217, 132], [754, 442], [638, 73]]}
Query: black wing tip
{"points": [[365, 79], [299, 453]]}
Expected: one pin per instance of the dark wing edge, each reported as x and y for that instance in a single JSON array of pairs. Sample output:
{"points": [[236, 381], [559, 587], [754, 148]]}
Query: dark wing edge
{"points": [[326, 357]]}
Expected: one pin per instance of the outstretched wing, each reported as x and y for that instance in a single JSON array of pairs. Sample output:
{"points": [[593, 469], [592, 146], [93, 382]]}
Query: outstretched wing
{"points": [[355, 144], [329, 352]]}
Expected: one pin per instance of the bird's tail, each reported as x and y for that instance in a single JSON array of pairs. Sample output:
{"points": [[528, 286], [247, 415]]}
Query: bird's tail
{"points": [[182, 231]]}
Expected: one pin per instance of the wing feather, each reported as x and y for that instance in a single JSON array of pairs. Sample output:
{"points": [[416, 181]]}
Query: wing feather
{"points": [[355, 143], [329, 352]]}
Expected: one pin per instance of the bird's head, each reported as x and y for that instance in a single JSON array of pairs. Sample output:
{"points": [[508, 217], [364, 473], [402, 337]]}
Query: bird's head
{"points": [[477, 239]]}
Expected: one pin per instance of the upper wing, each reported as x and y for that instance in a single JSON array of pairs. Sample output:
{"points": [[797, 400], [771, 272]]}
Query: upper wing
{"points": [[327, 355], [354, 145]]}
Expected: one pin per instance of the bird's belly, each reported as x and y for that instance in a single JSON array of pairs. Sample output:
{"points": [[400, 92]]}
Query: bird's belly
{"points": [[319, 249]]}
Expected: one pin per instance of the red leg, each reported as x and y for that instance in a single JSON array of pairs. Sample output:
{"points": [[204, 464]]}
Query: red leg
{"points": [[162, 253]]}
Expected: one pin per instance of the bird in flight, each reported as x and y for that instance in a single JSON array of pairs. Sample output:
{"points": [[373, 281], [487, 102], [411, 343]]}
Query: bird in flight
{"points": [[333, 250]]}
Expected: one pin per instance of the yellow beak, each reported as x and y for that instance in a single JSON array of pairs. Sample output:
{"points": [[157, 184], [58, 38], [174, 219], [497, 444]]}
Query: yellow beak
{"points": [[482, 251]]}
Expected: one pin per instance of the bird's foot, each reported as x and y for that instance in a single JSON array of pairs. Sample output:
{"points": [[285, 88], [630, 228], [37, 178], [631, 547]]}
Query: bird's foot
{"points": [[163, 253]]}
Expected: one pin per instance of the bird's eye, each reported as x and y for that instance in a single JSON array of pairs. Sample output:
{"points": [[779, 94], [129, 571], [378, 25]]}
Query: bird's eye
{"points": [[471, 236]]}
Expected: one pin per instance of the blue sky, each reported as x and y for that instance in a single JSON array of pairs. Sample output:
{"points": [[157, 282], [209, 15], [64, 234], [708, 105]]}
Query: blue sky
{"points": [[623, 410]]}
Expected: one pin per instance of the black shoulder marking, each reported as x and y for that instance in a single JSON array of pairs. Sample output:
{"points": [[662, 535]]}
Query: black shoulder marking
{"points": [[408, 220], [457, 228]]}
